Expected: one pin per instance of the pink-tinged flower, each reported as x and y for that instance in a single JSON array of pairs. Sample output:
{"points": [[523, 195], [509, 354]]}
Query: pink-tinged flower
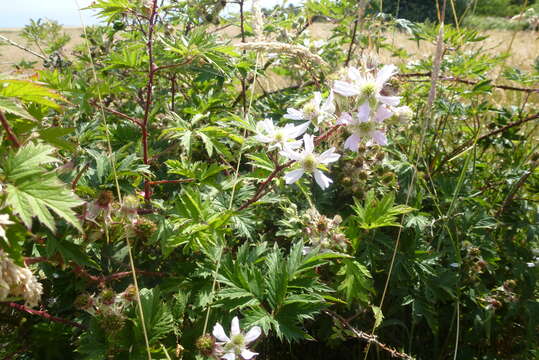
{"points": [[366, 86], [365, 124], [310, 162], [314, 110], [235, 346], [279, 137]]}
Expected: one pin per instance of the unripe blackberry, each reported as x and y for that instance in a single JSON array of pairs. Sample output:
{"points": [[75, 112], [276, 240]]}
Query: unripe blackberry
{"points": [[380, 156], [144, 228], [83, 302], [104, 198], [111, 322], [205, 344], [107, 296], [363, 175], [130, 205], [388, 178], [130, 293]]}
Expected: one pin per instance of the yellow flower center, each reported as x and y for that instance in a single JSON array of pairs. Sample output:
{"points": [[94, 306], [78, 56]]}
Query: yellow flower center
{"points": [[309, 110], [279, 136], [309, 163], [368, 89]]}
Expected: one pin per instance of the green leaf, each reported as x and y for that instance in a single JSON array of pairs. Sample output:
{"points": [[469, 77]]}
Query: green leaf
{"points": [[378, 316], [376, 213], [29, 91], [10, 106], [54, 135], [357, 283], [157, 317], [35, 197]]}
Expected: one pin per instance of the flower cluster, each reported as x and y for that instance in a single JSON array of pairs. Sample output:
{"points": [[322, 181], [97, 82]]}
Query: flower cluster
{"points": [[108, 307], [18, 281], [363, 104], [324, 232]]}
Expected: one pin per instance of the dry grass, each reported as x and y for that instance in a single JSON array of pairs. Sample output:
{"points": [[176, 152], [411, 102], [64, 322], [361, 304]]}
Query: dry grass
{"points": [[524, 50]]}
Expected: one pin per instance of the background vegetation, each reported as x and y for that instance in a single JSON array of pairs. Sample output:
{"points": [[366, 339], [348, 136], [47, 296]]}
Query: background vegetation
{"points": [[138, 204]]}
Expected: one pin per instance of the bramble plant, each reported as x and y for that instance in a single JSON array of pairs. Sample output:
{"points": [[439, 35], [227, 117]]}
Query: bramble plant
{"points": [[155, 192]]}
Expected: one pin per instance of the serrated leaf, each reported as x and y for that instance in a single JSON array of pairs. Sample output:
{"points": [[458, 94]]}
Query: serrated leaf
{"points": [[35, 197], [10, 106], [29, 91]]}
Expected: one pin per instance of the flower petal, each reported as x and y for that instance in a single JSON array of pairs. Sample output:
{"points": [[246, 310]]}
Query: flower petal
{"points": [[389, 100], [252, 334], [329, 156], [379, 137], [382, 113], [293, 114], [322, 180], [385, 73], [309, 143], [293, 176], [352, 142], [289, 153], [345, 119], [354, 74], [329, 105], [219, 333], [364, 112], [229, 356], [344, 88], [317, 99], [235, 327], [247, 354], [299, 130]]}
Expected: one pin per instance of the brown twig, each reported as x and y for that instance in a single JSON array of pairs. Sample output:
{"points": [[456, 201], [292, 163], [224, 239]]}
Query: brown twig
{"points": [[79, 175], [160, 182], [152, 68], [511, 196], [11, 42], [9, 131], [371, 339], [44, 315], [464, 146], [465, 81], [102, 279], [119, 114]]}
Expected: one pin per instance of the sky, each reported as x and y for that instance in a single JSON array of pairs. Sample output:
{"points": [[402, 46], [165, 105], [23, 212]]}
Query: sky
{"points": [[17, 13]]}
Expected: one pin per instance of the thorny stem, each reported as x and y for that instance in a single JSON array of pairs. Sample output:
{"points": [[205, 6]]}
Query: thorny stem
{"points": [[360, 14], [120, 114], [44, 315], [180, 181], [262, 187], [371, 339], [243, 80], [79, 175], [9, 131], [510, 197], [464, 146], [152, 68], [465, 81], [11, 42]]}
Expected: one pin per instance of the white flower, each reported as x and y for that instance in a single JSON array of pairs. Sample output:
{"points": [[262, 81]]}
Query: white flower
{"points": [[314, 110], [403, 113], [278, 137], [235, 346], [364, 124], [366, 86], [4, 220], [309, 162]]}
